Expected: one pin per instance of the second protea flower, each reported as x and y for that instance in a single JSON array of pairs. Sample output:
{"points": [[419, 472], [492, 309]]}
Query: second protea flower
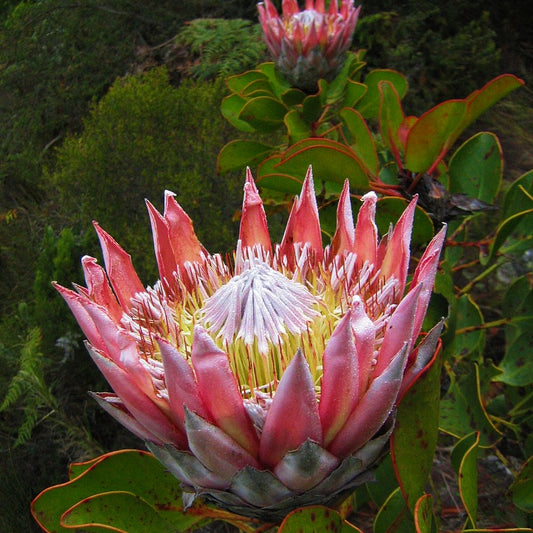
{"points": [[266, 382], [311, 44]]}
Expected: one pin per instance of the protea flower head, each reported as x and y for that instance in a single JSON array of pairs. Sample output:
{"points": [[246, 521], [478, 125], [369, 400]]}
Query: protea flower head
{"points": [[311, 44], [268, 381]]}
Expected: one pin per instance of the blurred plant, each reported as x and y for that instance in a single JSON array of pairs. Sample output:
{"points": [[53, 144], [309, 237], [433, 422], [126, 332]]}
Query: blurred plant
{"points": [[30, 391], [144, 136], [220, 47]]}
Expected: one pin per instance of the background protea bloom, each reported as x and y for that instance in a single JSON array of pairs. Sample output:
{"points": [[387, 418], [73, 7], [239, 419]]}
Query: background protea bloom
{"points": [[269, 381], [311, 44]]}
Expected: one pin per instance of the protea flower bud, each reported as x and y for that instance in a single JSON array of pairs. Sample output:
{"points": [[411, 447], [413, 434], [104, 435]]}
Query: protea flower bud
{"points": [[267, 382], [311, 44]]}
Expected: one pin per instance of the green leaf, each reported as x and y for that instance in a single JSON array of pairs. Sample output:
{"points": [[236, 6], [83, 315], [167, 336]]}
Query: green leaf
{"points": [[522, 488], [292, 97], [297, 128], [368, 105], [239, 82], [391, 117], [312, 108], [389, 210], [505, 229], [482, 99], [361, 141], [517, 363], [353, 93], [469, 336], [231, 108], [425, 521], [431, 136], [263, 113], [332, 162], [119, 471], [475, 169], [464, 462], [278, 83], [255, 87], [518, 197], [315, 519], [238, 154], [115, 511], [463, 411], [394, 516], [414, 439]]}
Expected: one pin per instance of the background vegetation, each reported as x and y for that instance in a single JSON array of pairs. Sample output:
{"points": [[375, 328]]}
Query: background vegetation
{"points": [[105, 103]]}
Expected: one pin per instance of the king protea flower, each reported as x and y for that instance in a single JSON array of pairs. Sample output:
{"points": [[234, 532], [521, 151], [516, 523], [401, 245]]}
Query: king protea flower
{"points": [[266, 381], [311, 44]]}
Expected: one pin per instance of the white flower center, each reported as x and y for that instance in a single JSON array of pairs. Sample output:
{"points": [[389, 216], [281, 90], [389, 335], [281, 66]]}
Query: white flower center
{"points": [[260, 304]]}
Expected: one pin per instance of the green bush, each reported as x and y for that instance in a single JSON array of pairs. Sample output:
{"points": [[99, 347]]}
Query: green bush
{"points": [[143, 137]]}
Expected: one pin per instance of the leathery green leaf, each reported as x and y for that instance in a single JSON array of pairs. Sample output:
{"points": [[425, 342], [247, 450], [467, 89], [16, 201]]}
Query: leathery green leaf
{"points": [[464, 462], [481, 100], [297, 128], [431, 136], [316, 519], [239, 82], [522, 488], [414, 439], [469, 336], [425, 521], [391, 116], [476, 167], [389, 210], [263, 113], [519, 196], [517, 363], [332, 162], [368, 105], [117, 471], [231, 108], [394, 516], [462, 410], [361, 140], [238, 154], [115, 511]]}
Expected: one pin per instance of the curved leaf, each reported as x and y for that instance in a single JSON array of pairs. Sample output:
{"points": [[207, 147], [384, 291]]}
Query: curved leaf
{"points": [[238, 154], [239, 82], [231, 108], [263, 113], [316, 519], [116, 471], [368, 105], [464, 462], [522, 487], [431, 136], [425, 521], [394, 516], [362, 142], [122, 512], [332, 162], [297, 128], [391, 117], [517, 363], [414, 439], [462, 410], [475, 169]]}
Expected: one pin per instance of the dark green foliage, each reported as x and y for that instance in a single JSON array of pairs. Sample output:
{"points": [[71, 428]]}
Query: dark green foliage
{"points": [[143, 137], [219, 47], [467, 56]]}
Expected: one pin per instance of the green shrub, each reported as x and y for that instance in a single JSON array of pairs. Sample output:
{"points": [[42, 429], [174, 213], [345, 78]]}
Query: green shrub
{"points": [[143, 137]]}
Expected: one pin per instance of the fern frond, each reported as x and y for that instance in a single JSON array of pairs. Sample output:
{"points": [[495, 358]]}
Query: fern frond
{"points": [[30, 370]]}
